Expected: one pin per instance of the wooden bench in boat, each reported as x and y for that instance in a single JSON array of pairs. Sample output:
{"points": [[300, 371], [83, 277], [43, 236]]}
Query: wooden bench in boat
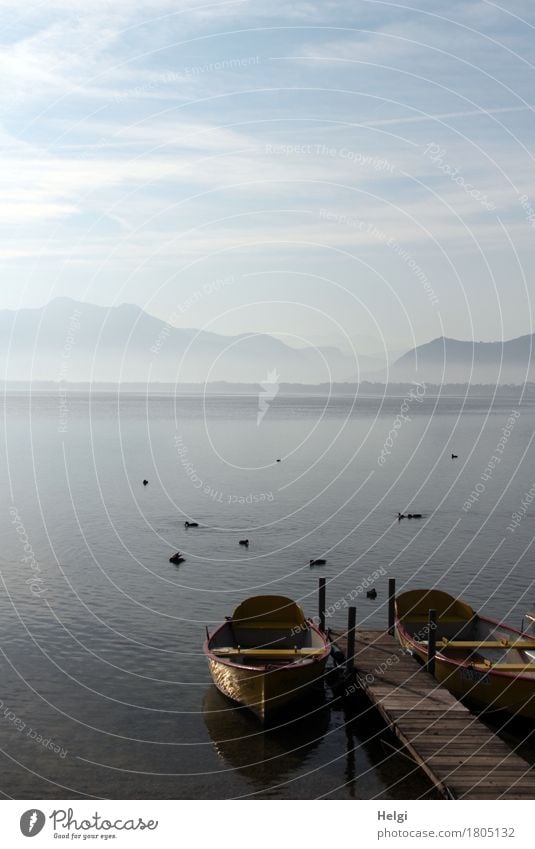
{"points": [[230, 651], [488, 665], [485, 644], [269, 624]]}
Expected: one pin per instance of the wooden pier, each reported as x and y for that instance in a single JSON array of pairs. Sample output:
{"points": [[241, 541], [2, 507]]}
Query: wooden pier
{"points": [[460, 755]]}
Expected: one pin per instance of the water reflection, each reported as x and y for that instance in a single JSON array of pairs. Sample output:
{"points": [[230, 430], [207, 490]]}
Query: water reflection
{"points": [[516, 731], [376, 766], [265, 755], [347, 750]]}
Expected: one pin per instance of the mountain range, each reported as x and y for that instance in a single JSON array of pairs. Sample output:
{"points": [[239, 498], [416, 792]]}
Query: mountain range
{"points": [[445, 360], [68, 340], [75, 341]]}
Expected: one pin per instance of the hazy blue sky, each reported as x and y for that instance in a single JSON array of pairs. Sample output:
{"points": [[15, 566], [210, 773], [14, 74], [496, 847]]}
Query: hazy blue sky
{"points": [[351, 168]]}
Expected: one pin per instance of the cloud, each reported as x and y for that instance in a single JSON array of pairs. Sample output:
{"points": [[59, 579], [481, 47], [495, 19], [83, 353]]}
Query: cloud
{"points": [[114, 153]]}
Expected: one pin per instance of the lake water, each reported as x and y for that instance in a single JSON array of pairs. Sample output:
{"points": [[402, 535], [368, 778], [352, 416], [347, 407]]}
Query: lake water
{"points": [[105, 689]]}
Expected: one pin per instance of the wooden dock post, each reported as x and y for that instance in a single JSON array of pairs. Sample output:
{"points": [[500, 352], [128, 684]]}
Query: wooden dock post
{"points": [[351, 623], [431, 642], [322, 596], [391, 605]]}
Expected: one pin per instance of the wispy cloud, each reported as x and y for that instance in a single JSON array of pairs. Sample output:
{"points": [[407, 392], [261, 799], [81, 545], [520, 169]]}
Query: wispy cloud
{"points": [[115, 152]]}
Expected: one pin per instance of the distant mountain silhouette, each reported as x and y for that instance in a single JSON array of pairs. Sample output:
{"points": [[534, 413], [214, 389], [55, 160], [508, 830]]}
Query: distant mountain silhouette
{"points": [[78, 342], [74, 341], [454, 361]]}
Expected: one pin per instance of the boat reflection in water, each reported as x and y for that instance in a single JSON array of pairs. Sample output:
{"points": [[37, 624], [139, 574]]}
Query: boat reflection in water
{"points": [[318, 750], [270, 754]]}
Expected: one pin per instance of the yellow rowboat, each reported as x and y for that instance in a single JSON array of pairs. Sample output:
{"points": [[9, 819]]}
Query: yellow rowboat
{"points": [[267, 654], [486, 662]]}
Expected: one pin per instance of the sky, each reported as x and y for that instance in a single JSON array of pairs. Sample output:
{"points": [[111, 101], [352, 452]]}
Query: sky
{"points": [[344, 172]]}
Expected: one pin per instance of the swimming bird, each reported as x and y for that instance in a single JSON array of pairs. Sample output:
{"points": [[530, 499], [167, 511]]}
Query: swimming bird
{"points": [[414, 516], [454, 456], [371, 593], [278, 461], [145, 482], [191, 524], [318, 562], [177, 558], [244, 542]]}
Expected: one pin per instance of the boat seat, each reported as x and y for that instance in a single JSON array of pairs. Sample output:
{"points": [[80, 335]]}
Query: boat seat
{"points": [[268, 624], [486, 644], [229, 651], [506, 667], [449, 633], [253, 638]]}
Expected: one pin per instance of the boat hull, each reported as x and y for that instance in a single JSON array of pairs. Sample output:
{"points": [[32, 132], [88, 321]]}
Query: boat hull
{"points": [[484, 688], [266, 655], [483, 684], [266, 690]]}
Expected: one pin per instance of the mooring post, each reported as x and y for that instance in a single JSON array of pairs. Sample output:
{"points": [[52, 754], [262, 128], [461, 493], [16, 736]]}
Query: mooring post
{"points": [[391, 605], [322, 604], [351, 623], [432, 641]]}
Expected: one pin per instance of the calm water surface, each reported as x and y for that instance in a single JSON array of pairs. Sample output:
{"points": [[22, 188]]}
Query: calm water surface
{"points": [[101, 636]]}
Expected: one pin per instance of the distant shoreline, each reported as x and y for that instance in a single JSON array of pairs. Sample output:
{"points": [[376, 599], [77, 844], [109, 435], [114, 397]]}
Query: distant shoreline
{"points": [[364, 389]]}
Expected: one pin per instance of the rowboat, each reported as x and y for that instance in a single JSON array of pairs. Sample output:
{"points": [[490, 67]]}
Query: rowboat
{"points": [[486, 662], [267, 654]]}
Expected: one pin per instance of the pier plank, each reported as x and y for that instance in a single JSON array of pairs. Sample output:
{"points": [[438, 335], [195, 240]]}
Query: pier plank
{"points": [[461, 756]]}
